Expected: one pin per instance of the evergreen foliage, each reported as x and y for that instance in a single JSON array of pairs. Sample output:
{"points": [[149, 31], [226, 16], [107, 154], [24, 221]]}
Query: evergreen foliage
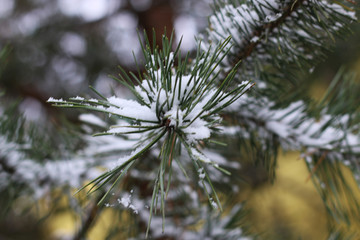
{"points": [[172, 153]]}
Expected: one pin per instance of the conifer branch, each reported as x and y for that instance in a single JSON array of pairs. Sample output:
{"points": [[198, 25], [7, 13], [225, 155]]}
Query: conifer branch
{"points": [[174, 104], [267, 28], [280, 36], [167, 132]]}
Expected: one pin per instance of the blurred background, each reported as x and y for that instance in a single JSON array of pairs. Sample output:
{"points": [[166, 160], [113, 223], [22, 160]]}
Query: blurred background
{"points": [[60, 47]]}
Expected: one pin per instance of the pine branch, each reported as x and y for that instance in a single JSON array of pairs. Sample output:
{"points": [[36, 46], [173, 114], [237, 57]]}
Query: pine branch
{"points": [[278, 40], [24, 161], [177, 106], [265, 30]]}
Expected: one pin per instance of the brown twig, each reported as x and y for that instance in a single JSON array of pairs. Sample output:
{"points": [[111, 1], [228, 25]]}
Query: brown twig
{"points": [[89, 220], [322, 158]]}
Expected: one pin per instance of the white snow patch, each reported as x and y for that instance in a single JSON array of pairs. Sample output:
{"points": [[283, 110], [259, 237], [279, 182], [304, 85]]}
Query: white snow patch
{"points": [[54, 100], [131, 109], [92, 119]]}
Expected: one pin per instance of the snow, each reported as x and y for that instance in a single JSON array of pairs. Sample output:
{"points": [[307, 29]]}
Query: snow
{"points": [[290, 124], [229, 20], [219, 159], [213, 203], [182, 103], [167, 102], [241, 21], [272, 18], [78, 98], [175, 115], [296, 129], [51, 99], [106, 144], [92, 119], [197, 131], [126, 128], [340, 10], [254, 39], [127, 203], [42, 178], [200, 156], [131, 109], [201, 173]]}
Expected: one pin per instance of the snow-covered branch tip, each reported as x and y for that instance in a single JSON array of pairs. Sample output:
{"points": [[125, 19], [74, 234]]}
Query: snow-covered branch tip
{"points": [[175, 106], [284, 30]]}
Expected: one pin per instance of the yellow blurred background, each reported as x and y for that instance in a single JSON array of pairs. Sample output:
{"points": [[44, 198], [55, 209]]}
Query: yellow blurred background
{"points": [[290, 208]]}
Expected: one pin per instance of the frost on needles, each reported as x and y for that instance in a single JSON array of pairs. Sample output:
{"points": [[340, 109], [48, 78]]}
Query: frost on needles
{"points": [[176, 107]]}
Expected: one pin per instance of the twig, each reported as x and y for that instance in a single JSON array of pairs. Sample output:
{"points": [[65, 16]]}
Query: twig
{"points": [[322, 158], [90, 219]]}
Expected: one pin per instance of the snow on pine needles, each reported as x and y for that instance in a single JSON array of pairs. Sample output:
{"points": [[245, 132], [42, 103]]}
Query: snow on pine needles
{"points": [[177, 106]]}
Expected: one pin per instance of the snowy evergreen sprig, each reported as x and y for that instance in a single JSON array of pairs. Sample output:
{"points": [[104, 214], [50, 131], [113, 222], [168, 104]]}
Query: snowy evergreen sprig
{"points": [[29, 161], [279, 41], [177, 107], [287, 37]]}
